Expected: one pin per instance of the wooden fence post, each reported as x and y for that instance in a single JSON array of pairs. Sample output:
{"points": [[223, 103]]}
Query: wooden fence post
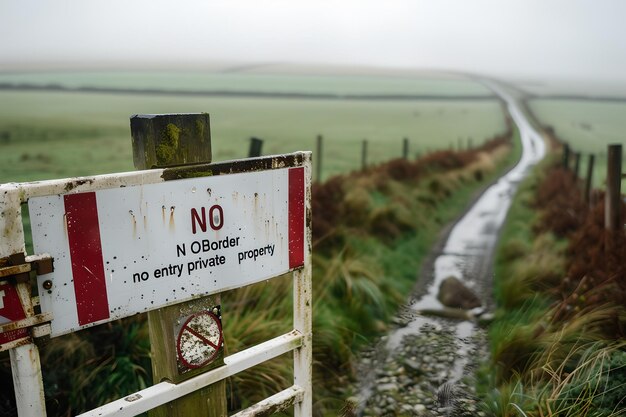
{"points": [[364, 155], [589, 179], [318, 156], [405, 148], [255, 147], [566, 156], [161, 141], [576, 164], [613, 188]]}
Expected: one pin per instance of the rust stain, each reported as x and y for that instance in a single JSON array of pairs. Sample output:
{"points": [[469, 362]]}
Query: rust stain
{"points": [[11, 326], [134, 220], [244, 165], [65, 233], [172, 222], [256, 204], [163, 213], [22, 342]]}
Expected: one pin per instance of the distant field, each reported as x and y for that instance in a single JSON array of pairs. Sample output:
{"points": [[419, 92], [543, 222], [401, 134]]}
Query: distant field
{"points": [[236, 82], [58, 134], [588, 126]]}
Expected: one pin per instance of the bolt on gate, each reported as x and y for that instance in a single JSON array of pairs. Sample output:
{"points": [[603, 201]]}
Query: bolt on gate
{"points": [[115, 245]]}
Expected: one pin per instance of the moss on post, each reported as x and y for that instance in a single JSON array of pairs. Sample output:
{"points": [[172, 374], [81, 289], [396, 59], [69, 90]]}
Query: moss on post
{"points": [[170, 139]]}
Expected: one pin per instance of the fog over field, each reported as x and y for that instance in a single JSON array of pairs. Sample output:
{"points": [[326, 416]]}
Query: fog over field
{"points": [[401, 49], [560, 46], [425, 122]]}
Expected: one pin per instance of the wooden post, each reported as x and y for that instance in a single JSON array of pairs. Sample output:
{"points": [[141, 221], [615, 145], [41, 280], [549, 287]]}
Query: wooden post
{"points": [[255, 147], [576, 164], [613, 188], [168, 140], [318, 156], [566, 156], [364, 155], [589, 179], [405, 148]]}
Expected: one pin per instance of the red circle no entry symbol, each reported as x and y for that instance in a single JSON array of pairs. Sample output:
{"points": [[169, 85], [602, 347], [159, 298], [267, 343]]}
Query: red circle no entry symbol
{"points": [[199, 340]]}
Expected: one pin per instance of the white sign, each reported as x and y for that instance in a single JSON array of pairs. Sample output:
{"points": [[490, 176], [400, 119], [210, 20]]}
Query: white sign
{"points": [[123, 251]]}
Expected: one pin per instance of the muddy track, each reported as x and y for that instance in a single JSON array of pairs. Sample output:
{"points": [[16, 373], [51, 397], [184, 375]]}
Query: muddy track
{"points": [[425, 365]]}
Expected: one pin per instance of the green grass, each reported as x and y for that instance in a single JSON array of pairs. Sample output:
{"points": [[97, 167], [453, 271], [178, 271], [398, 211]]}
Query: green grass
{"points": [[356, 290], [51, 134], [539, 365], [587, 126], [213, 81], [357, 287], [47, 135]]}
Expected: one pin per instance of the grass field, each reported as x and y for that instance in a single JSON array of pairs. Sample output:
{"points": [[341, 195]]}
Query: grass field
{"points": [[588, 127], [60, 134], [211, 81]]}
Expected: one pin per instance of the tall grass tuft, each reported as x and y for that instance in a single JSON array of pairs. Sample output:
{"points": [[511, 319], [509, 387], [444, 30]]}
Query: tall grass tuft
{"points": [[589, 381], [516, 338], [507, 400], [557, 347]]}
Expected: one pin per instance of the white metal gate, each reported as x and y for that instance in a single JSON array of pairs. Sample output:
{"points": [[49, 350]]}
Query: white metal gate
{"points": [[25, 355]]}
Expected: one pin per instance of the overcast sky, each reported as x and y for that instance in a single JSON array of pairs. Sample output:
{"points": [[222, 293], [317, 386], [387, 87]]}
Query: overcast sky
{"points": [[570, 39]]}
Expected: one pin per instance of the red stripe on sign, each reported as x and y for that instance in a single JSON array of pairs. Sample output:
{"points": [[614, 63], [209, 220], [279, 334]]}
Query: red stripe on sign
{"points": [[296, 217], [83, 232]]}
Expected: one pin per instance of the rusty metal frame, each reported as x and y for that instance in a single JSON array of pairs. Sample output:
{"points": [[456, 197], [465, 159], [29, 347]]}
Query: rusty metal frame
{"points": [[25, 362]]}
